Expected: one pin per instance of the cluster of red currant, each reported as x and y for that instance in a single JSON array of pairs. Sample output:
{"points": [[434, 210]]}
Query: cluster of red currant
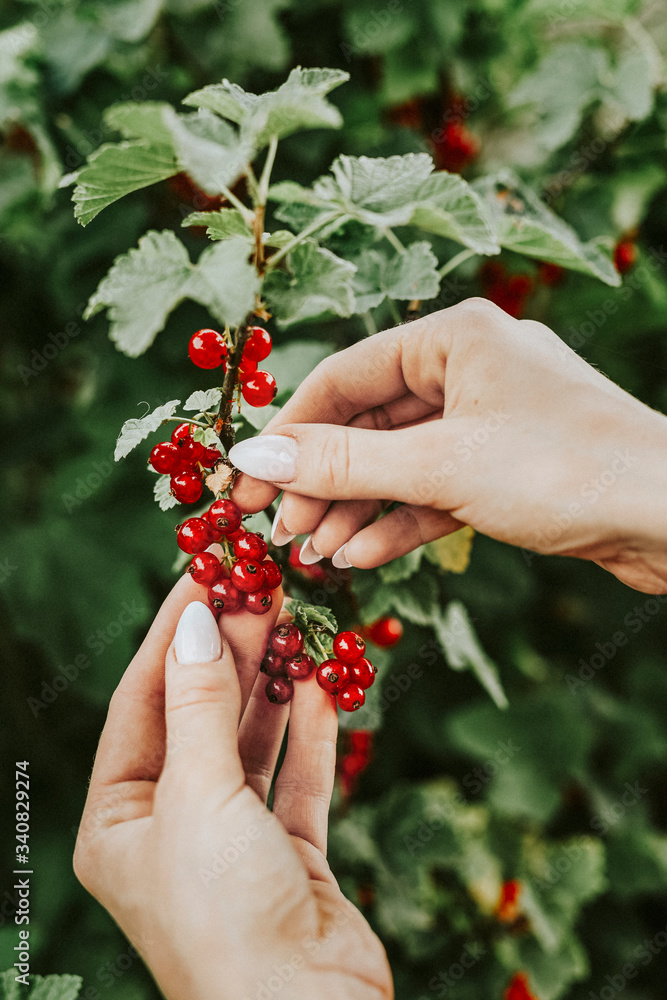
{"points": [[244, 578], [346, 676], [186, 461], [209, 349]]}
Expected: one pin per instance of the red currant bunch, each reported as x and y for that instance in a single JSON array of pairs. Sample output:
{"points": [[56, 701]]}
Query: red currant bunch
{"points": [[258, 388], [186, 461]]}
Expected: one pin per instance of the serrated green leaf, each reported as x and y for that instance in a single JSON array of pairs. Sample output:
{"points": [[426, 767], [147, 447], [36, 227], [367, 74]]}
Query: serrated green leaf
{"points": [[64, 987], [221, 225], [415, 600], [309, 617], [448, 206], [115, 170], [203, 400], [451, 553], [463, 651], [225, 282], [129, 20], [162, 493], [524, 224], [208, 149], [402, 568], [409, 275], [143, 120], [320, 282], [135, 430]]}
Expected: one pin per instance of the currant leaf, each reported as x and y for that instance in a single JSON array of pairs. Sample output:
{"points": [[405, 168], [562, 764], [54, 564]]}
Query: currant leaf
{"points": [[57, 987], [463, 651], [221, 225], [115, 170], [162, 493], [320, 283], [312, 617], [203, 400], [210, 151], [411, 275], [143, 120], [451, 553], [225, 282], [135, 430]]}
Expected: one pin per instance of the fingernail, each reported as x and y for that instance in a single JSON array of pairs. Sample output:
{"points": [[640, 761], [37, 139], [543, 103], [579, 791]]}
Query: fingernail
{"points": [[279, 534], [271, 457], [197, 637], [340, 560], [309, 554]]}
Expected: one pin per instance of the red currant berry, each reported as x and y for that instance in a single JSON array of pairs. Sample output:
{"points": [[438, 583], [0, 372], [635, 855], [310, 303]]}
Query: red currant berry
{"points": [[225, 515], [273, 576], [205, 568], [210, 457], [625, 254], [348, 647], [258, 345], [286, 640], [233, 535], [186, 487], [385, 632], [279, 690], [194, 535], [247, 575], [259, 602], [259, 389], [272, 664], [351, 698], [333, 676], [182, 431], [247, 367], [207, 349], [362, 673], [165, 457], [300, 667], [250, 546], [224, 596]]}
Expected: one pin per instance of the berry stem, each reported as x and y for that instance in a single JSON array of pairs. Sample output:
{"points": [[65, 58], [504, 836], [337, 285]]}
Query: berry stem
{"points": [[390, 235], [224, 421], [238, 204], [303, 235], [312, 638], [266, 172], [453, 262]]}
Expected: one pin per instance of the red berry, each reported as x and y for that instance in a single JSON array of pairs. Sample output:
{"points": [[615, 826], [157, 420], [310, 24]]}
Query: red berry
{"points": [[279, 690], [250, 546], [362, 673], [224, 596], [333, 676], [247, 575], [186, 487], [233, 535], [351, 698], [286, 640], [625, 255], [349, 647], [551, 274], [273, 576], [272, 664], [194, 535], [182, 431], [190, 451], [259, 389], [210, 457], [258, 345], [225, 515], [165, 457], [259, 602], [385, 632], [300, 666], [205, 568], [207, 349], [519, 988], [247, 367]]}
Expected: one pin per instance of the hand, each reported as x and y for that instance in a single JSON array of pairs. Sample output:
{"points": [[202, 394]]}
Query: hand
{"points": [[466, 416], [223, 899]]}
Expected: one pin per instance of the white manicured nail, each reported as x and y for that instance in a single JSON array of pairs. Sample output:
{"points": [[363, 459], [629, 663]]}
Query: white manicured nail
{"points": [[197, 636], [309, 554], [340, 560], [271, 457], [279, 533]]}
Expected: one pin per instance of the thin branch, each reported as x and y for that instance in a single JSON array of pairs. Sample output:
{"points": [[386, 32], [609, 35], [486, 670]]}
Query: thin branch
{"points": [[237, 203], [390, 235], [266, 172], [459, 258], [223, 425], [303, 235]]}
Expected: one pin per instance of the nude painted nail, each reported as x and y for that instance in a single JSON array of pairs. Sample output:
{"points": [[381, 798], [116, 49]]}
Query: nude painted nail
{"points": [[279, 533], [309, 554], [340, 560]]}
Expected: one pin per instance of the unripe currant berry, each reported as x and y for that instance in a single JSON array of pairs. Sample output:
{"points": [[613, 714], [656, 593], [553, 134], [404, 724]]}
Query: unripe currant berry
{"points": [[165, 457], [272, 664], [259, 389], [300, 666], [225, 515], [259, 601], [186, 487], [348, 647], [273, 576], [194, 535], [286, 640], [351, 698], [207, 349], [279, 690], [224, 596], [247, 575], [205, 568], [258, 345], [250, 545], [333, 676], [362, 673]]}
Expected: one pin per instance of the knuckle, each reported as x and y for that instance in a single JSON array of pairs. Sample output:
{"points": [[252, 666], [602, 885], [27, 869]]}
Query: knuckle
{"points": [[335, 463], [479, 308]]}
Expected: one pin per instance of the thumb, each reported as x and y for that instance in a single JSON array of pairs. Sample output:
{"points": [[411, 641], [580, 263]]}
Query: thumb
{"points": [[202, 706], [330, 462]]}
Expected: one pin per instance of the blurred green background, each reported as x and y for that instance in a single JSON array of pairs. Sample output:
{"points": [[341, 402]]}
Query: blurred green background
{"points": [[570, 95]]}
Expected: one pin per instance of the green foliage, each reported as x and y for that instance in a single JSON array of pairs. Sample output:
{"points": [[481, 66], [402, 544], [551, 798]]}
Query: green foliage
{"points": [[41, 987]]}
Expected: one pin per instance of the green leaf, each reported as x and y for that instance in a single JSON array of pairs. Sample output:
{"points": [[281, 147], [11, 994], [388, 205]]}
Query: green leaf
{"points": [[221, 225], [208, 149], [143, 120], [225, 282], [409, 275], [291, 363], [129, 20], [18, 77], [115, 170], [41, 987], [415, 600], [402, 568], [448, 206], [135, 430], [524, 224], [312, 617], [320, 283], [463, 651], [300, 103], [162, 493], [203, 400]]}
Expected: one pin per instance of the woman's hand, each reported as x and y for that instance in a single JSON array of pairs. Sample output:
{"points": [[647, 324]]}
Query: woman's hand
{"points": [[467, 416], [223, 899]]}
